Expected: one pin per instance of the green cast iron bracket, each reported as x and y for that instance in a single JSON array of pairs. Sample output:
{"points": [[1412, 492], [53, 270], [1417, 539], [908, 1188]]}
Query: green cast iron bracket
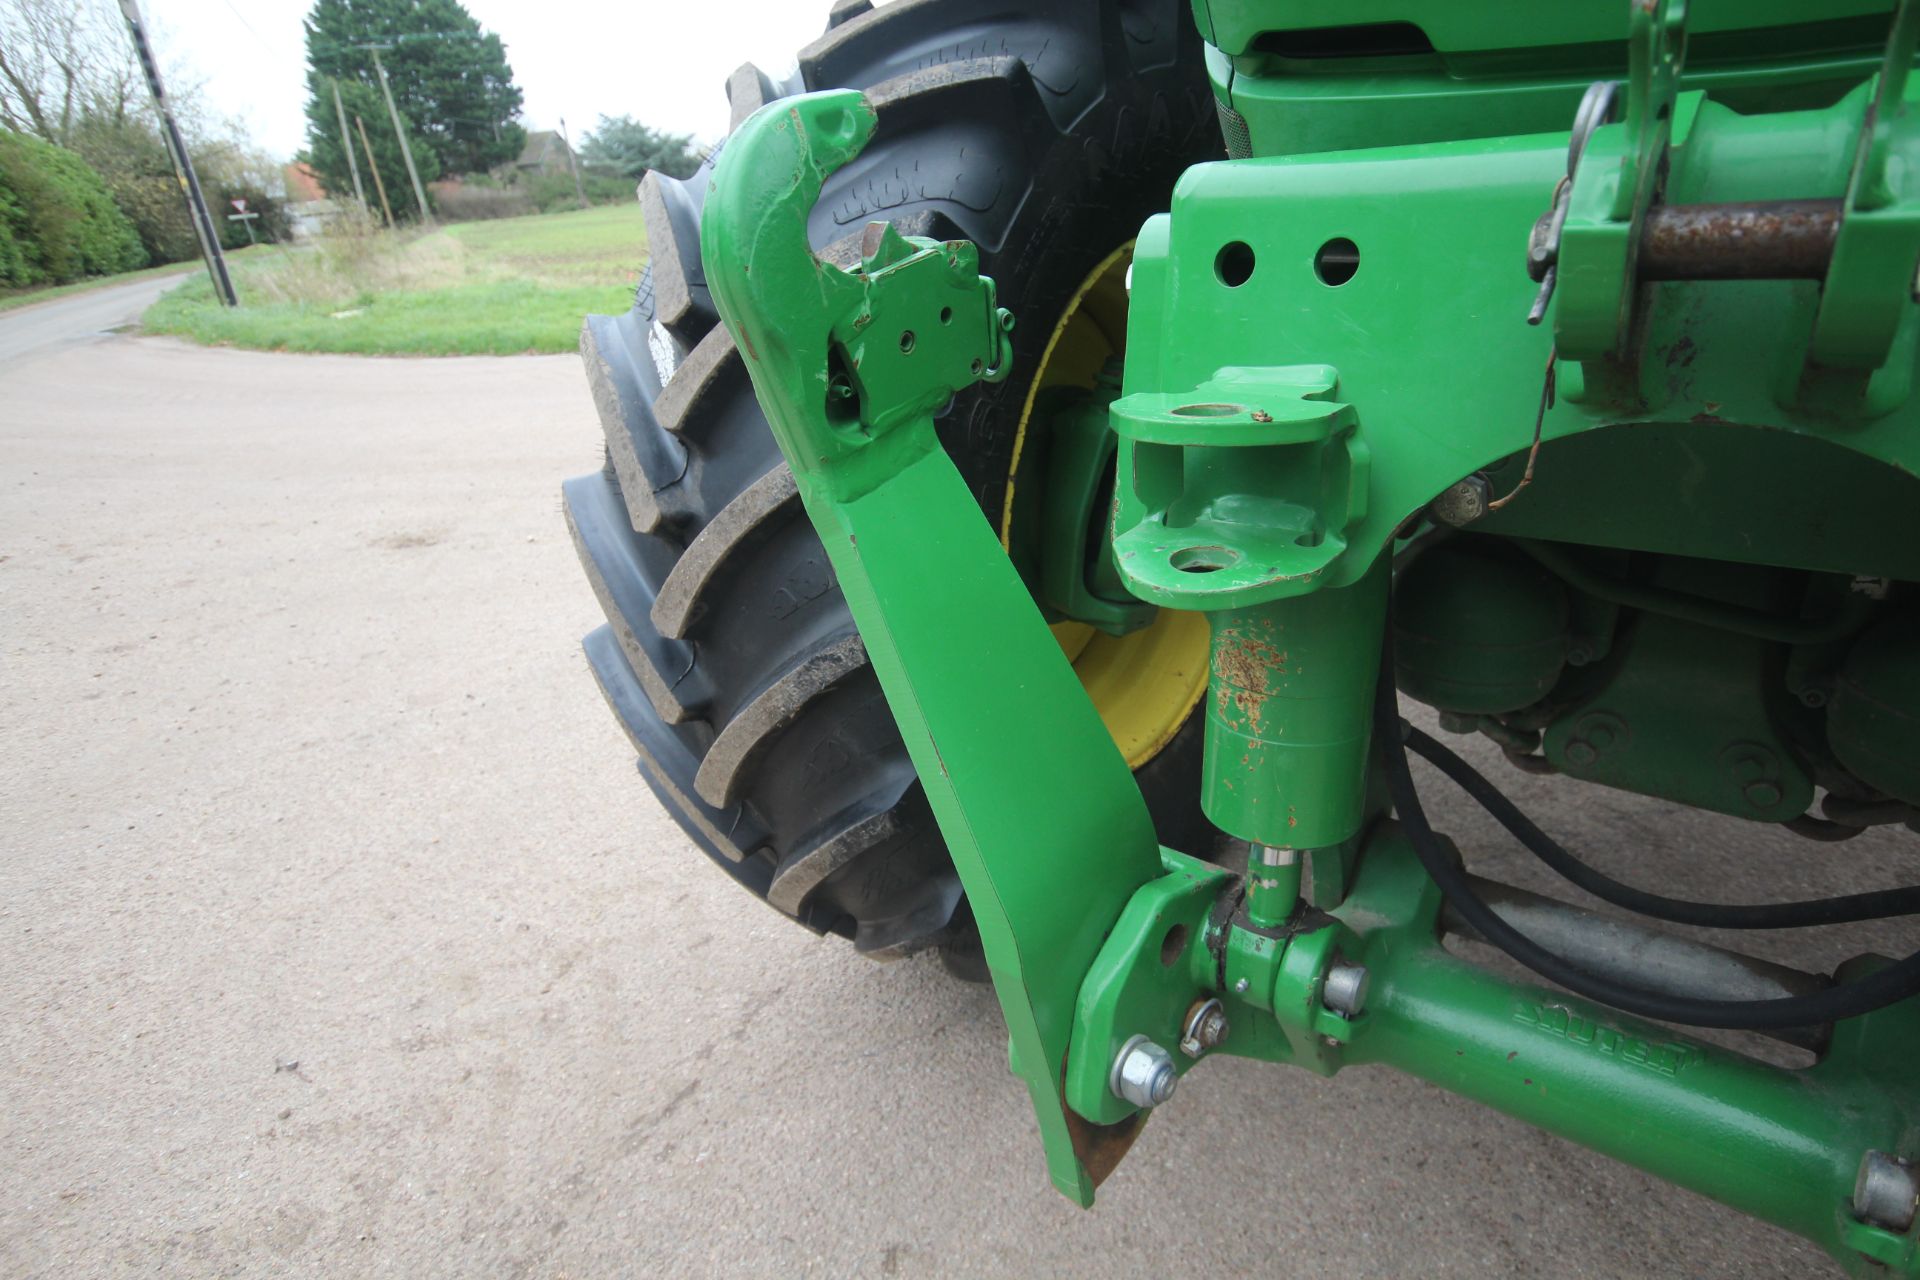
{"points": [[1871, 280], [1782, 1144], [1201, 532], [1160, 958], [1617, 178], [1234, 498], [1445, 380], [1078, 579], [1048, 829]]}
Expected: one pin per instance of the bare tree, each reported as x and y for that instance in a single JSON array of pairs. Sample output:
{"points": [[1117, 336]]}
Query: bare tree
{"points": [[62, 61]]}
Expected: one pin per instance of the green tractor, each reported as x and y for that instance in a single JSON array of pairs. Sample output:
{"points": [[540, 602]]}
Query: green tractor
{"points": [[1548, 365]]}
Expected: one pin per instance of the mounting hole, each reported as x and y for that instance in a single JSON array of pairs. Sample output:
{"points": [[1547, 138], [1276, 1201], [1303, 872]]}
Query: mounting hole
{"points": [[1234, 263], [1336, 261], [1207, 410], [1204, 559], [1173, 944], [946, 315], [977, 367], [906, 341]]}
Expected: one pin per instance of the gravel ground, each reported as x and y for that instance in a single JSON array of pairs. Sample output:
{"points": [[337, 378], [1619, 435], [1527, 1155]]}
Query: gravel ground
{"points": [[337, 936]]}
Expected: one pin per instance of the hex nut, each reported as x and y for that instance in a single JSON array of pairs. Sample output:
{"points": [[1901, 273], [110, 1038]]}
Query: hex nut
{"points": [[1206, 1028], [1143, 1073]]}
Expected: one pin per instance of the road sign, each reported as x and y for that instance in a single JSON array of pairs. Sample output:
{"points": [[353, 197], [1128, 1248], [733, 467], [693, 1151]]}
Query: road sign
{"points": [[244, 218]]}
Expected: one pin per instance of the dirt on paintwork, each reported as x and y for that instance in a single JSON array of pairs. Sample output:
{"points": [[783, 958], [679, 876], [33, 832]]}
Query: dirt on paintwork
{"points": [[1244, 665]]}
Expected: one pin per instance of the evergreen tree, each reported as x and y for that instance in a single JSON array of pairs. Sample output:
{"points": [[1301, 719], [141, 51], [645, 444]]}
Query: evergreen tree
{"points": [[629, 148], [327, 157], [449, 78]]}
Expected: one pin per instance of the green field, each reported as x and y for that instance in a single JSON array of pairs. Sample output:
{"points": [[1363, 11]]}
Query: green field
{"points": [[512, 286]]}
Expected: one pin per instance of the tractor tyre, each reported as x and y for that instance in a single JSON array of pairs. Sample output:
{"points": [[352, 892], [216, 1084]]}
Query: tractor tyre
{"points": [[1044, 133]]}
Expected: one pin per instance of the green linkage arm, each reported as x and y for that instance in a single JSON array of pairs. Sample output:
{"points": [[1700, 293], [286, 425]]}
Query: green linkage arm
{"points": [[1046, 826]]}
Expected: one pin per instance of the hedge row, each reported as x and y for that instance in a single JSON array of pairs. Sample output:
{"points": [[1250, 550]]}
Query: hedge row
{"points": [[57, 220]]}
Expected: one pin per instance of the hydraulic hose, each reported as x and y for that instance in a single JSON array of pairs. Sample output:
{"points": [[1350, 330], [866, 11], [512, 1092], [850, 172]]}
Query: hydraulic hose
{"points": [[1847, 909], [1896, 982]]}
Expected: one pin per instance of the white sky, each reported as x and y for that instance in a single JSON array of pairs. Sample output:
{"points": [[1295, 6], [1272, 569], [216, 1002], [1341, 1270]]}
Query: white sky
{"points": [[664, 62]]}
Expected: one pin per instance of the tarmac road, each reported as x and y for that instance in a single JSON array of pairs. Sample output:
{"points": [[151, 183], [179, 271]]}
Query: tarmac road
{"points": [[79, 318], [338, 937]]}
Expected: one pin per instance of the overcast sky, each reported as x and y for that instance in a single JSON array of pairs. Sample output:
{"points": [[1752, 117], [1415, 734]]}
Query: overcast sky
{"points": [[661, 61]]}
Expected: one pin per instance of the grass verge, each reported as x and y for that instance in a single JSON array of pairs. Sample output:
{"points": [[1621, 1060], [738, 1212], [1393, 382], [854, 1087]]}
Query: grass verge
{"points": [[512, 286]]}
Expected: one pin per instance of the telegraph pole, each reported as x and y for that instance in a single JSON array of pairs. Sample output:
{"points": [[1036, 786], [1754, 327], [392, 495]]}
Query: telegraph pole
{"points": [[203, 224], [346, 144], [378, 182], [572, 163], [406, 152]]}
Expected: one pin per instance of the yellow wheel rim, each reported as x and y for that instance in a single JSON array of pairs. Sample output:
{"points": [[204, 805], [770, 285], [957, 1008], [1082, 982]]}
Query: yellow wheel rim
{"points": [[1143, 684]]}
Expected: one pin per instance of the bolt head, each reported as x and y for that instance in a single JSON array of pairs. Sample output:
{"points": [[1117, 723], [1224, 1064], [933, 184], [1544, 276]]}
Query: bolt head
{"points": [[1206, 1028], [1462, 502], [1240, 987], [1143, 1073], [1886, 1191], [1345, 988]]}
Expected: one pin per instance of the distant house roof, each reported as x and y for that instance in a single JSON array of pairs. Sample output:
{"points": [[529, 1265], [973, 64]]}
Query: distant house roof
{"points": [[303, 184], [545, 148]]}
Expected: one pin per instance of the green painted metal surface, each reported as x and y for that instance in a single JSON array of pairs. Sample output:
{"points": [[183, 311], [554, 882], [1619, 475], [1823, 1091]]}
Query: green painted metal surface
{"points": [[1478, 629], [1077, 577], [1035, 820], [1308, 78], [1843, 513], [1783, 1145], [1779, 1143], [1287, 715], [1319, 346], [1425, 337], [1673, 713], [1155, 963]]}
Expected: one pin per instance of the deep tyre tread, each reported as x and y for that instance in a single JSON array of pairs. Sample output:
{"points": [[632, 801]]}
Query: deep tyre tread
{"points": [[771, 498], [617, 569], [671, 211], [623, 380], [1044, 133], [754, 727], [748, 89]]}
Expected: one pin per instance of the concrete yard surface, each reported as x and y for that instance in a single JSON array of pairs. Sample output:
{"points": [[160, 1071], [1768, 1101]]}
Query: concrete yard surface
{"points": [[338, 936]]}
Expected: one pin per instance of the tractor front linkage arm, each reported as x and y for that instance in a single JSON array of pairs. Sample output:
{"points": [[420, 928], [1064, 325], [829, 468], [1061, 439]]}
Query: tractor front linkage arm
{"points": [[1119, 965]]}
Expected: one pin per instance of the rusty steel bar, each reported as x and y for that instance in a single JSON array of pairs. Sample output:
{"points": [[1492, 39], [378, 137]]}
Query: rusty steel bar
{"points": [[1751, 240]]}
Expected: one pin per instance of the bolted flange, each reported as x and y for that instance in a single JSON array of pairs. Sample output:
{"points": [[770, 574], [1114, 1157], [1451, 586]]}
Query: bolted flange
{"points": [[1143, 1073]]}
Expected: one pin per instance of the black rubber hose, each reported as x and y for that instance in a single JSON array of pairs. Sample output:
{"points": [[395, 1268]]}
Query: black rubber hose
{"points": [[1850, 908], [1897, 982]]}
